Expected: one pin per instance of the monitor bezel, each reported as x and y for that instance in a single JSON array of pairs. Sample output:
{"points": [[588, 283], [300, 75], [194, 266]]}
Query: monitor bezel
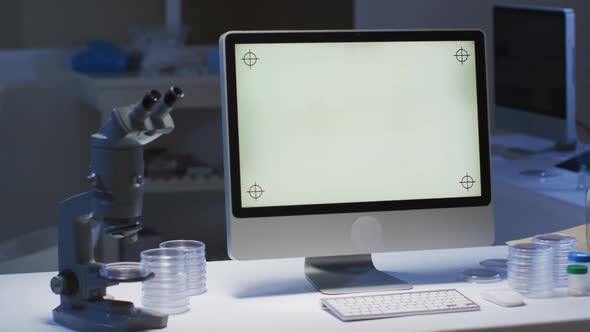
{"points": [[233, 38]]}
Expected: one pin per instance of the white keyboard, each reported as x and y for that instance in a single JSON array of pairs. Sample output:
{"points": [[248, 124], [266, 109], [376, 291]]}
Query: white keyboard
{"points": [[361, 307]]}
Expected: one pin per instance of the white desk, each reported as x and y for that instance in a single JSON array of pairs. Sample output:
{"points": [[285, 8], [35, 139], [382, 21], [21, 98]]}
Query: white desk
{"points": [[273, 295]]}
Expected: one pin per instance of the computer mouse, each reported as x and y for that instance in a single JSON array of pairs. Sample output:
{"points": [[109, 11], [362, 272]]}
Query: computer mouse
{"points": [[503, 297]]}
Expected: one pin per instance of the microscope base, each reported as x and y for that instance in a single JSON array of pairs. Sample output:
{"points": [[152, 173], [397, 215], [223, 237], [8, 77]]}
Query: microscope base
{"points": [[109, 315]]}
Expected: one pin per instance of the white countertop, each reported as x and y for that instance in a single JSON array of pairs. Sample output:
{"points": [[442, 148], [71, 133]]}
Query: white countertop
{"points": [[274, 295]]}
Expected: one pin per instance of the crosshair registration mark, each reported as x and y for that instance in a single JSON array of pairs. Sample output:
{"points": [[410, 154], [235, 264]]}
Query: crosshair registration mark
{"points": [[250, 59], [467, 182], [461, 55], [255, 191]]}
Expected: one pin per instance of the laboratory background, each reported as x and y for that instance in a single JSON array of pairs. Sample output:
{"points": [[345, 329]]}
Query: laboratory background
{"points": [[49, 160], [66, 64]]}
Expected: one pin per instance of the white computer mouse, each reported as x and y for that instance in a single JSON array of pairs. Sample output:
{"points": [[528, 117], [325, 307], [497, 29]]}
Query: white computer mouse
{"points": [[503, 297]]}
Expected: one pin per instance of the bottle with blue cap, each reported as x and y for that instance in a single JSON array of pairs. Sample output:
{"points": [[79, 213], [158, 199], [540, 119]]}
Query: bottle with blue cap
{"points": [[579, 258]]}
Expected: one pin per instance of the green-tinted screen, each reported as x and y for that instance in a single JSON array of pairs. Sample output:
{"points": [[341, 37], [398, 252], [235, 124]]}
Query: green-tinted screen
{"points": [[322, 123]]}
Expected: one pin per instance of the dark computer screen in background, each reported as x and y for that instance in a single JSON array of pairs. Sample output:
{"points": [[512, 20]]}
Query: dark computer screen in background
{"points": [[530, 60]]}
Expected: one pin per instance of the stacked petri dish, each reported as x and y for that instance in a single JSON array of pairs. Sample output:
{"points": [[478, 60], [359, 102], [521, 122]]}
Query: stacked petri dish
{"points": [[167, 292], [196, 263], [562, 245], [530, 269]]}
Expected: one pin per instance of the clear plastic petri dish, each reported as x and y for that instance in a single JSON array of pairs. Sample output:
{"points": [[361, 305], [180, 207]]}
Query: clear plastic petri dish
{"points": [[529, 288], [124, 272], [170, 309], [192, 246], [530, 257], [196, 266], [163, 256], [537, 293], [535, 260], [163, 301], [540, 273], [182, 284], [533, 273], [480, 276], [165, 293], [539, 263], [530, 277], [525, 285], [554, 238], [530, 269], [168, 290], [499, 265], [531, 282], [529, 247]]}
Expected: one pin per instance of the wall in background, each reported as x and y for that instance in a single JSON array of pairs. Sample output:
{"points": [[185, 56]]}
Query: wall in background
{"points": [[10, 25], [457, 14], [43, 133], [70, 23], [209, 19]]}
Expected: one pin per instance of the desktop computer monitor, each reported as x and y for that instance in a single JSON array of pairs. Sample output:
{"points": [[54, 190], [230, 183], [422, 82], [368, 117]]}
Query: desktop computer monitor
{"points": [[339, 144], [534, 65]]}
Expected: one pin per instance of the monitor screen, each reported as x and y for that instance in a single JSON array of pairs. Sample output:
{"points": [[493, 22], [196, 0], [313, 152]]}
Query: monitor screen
{"points": [[530, 60], [353, 126]]}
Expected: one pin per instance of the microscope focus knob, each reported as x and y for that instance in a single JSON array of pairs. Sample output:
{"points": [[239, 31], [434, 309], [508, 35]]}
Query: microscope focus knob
{"points": [[64, 284]]}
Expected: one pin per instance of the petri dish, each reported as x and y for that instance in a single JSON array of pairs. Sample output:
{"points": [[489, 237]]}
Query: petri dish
{"points": [[163, 256], [554, 238], [192, 246], [168, 291], [125, 272], [196, 264], [480, 276], [528, 247]]}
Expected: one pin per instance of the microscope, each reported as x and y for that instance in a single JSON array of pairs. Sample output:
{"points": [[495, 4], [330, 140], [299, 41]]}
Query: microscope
{"points": [[95, 227]]}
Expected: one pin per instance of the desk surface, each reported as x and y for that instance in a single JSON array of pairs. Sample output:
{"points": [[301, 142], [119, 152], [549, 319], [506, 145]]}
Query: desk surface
{"points": [[560, 186], [274, 295], [528, 205]]}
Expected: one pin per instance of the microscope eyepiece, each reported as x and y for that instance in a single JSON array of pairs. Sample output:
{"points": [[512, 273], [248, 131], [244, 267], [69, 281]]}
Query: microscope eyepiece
{"points": [[150, 99], [172, 95], [164, 106], [141, 109]]}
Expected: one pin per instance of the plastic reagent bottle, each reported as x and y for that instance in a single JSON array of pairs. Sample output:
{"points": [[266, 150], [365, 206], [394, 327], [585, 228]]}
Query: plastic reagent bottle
{"points": [[578, 284]]}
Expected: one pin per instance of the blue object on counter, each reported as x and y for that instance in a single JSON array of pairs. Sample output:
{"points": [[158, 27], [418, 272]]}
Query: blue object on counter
{"points": [[100, 57], [580, 257], [213, 60]]}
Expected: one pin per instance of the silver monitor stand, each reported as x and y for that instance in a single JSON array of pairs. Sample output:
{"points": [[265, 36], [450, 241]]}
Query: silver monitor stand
{"points": [[349, 274]]}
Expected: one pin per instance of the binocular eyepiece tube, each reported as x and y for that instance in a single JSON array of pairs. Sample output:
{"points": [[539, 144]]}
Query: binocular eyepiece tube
{"points": [[141, 109], [164, 106]]}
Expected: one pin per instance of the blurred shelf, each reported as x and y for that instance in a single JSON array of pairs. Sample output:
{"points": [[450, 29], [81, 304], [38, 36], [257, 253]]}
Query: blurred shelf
{"points": [[214, 183], [106, 92]]}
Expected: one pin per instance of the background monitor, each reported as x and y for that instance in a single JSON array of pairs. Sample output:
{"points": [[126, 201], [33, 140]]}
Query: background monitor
{"points": [[534, 66], [341, 144]]}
